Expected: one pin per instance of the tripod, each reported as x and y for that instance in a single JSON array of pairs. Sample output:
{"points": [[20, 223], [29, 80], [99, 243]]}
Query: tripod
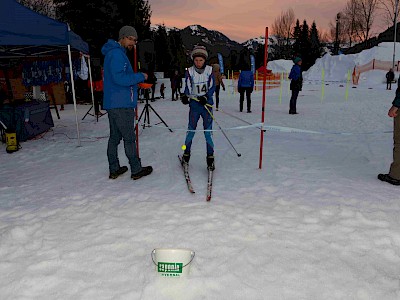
{"points": [[146, 113], [97, 111]]}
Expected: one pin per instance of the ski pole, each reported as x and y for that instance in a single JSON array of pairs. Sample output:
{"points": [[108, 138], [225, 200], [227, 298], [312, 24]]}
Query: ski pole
{"points": [[238, 154]]}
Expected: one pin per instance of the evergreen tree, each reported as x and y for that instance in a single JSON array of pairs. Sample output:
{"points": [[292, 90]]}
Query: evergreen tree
{"points": [[163, 50], [297, 38], [179, 61], [305, 45], [98, 20], [316, 48], [259, 56]]}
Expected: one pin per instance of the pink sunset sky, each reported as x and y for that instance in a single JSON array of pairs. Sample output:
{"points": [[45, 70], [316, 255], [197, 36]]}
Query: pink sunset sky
{"points": [[242, 20]]}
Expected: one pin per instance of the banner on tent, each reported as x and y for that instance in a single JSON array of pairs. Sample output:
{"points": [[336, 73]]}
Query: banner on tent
{"points": [[253, 63], [221, 63]]}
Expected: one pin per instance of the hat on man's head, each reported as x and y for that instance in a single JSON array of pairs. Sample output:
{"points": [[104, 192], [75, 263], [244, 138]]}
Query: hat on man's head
{"points": [[297, 59], [127, 31], [199, 51]]}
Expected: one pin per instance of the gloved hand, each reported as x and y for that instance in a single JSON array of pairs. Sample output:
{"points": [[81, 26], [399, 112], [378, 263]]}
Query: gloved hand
{"points": [[185, 99], [223, 88], [202, 100]]}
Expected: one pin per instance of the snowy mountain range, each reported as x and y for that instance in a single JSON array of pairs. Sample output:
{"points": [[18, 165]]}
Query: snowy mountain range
{"points": [[215, 41]]}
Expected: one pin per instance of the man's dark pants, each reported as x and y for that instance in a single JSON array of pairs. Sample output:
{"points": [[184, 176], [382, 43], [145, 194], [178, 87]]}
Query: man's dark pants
{"points": [[122, 126]]}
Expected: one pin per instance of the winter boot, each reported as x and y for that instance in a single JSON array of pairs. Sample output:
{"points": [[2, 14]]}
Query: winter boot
{"points": [[120, 171], [186, 157], [210, 162]]}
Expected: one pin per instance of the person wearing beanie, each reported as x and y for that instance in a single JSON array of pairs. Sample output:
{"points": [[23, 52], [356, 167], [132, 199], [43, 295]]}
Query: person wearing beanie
{"points": [[198, 93], [120, 100], [296, 84]]}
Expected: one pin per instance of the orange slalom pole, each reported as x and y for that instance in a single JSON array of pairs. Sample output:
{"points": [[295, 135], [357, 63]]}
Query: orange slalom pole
{"points": [[263, 96]]}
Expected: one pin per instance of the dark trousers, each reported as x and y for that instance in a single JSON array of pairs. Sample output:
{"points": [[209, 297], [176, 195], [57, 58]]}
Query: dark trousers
{"points": [[388, 84], [395, 166], [248, 91], [175, 93], [217, 88], [122, 126], [293, 101]]}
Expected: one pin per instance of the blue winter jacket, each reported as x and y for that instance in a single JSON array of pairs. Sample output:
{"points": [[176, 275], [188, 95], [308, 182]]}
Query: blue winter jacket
{"points": [[296, 78], [120, 82], [246, 79]]}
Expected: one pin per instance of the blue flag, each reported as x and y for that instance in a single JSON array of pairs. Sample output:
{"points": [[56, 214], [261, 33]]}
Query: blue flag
{"points": [[221, 63], [253, 63]]}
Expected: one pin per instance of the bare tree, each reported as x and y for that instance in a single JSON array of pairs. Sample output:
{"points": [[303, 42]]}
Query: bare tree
{"points": [[366, 11], [388, 8], [44, 7], [282, 25], [349, 22]]}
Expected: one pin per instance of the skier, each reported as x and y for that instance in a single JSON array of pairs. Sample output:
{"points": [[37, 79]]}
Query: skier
{"points": [[198, 93]]}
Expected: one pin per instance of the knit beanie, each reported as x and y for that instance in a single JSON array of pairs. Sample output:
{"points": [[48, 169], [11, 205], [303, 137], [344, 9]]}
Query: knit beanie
{"points": [[199, 51], [297, 59], [127, 31]]}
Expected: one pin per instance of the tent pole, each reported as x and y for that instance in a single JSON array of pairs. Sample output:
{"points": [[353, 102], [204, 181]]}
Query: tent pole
{"points": [[91, 86], [263, 97], [71, 73]]}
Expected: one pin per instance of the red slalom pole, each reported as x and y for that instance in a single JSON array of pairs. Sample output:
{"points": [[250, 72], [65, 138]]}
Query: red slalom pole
{"points": [[263, 96], [136, 110]]}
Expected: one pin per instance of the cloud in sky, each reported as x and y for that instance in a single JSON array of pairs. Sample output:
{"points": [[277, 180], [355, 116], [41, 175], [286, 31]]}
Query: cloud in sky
{"points": [[240, 20]]}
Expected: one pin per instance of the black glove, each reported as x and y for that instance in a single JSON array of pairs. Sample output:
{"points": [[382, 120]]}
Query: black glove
{"points": [[202, 100], [185, 99]]}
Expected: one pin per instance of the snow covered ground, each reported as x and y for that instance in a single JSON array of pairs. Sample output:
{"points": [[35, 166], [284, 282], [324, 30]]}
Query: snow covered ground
{"points": [[313, 223]]}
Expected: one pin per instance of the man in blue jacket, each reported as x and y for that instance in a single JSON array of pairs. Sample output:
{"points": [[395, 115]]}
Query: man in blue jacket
{"points": [[394, 172], [120, 101], [296, 84]]}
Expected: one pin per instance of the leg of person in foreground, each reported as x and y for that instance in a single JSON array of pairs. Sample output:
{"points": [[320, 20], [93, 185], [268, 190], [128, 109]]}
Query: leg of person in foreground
{"points": [[207, 125]]}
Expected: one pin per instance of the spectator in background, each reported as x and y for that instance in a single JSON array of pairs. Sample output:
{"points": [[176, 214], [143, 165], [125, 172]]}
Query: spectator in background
{"points": [[394, 172], [120, 101], [296, 84], [153, 80], [218, 83], [162, 89], [245, 85], [389, 79], [176, 84]]}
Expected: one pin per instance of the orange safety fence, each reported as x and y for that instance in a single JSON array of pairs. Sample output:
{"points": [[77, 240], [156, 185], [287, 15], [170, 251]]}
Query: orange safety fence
{"points": [[374, 64], [273, 79]]}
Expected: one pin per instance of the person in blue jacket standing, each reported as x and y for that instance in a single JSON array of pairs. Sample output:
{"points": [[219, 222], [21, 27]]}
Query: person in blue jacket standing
{"points": [[393, 177], [198, 93], [245, 85], [120, 100], [296, 84]]}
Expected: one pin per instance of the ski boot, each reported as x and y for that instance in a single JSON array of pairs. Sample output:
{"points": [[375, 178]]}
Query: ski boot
{"points": [[210, 162], [186, 158]]}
